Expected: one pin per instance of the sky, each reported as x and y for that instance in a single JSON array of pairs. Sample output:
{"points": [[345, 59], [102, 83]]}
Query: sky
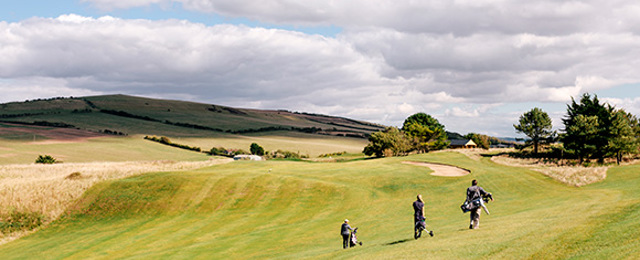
{"points": [[475, 65]]}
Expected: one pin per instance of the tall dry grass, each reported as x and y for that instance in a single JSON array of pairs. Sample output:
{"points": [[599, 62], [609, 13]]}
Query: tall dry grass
{"points": [[50, 189], [571, 175]]}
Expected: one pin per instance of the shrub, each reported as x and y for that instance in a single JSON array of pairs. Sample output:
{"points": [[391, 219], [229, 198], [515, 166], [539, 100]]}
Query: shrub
{"points": [[74, 176], [240, 151], [21, 221], [219, 151], [333, 154], [256, 149], [46, 159], [166, 141], [281, 154]]}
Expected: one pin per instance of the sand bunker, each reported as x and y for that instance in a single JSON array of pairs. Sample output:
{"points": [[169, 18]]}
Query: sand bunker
{"points": [[441, 169]]}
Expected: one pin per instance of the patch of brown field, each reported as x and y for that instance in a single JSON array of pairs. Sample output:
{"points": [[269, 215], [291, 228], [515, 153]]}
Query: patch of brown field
{"points": [[572, 175], [441, 169], [49, 189]]}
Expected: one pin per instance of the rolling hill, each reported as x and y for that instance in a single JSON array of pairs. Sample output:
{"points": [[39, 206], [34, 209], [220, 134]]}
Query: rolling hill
{"points": [[129, 115]]}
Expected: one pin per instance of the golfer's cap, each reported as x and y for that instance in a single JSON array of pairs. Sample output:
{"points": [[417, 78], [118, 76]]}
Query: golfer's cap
{"points": [[346, 220]]}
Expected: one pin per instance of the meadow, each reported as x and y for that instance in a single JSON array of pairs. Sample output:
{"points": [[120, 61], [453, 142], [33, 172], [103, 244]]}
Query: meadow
{"points": [[293, 210]]}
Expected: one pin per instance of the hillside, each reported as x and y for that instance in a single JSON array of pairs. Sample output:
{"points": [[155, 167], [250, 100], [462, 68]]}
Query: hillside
{"points": [[292, 210], [129, 115]]}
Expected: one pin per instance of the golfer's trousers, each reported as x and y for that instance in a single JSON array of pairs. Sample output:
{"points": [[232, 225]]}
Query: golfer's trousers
{"points": [[345, 241]]}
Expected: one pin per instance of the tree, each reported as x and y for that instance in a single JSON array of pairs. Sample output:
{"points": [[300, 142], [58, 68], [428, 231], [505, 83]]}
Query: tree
{"points": [[536, 124], [623, 134], [390, 142], [582, 132], [256, 149], [593, 111], [425, 132]]}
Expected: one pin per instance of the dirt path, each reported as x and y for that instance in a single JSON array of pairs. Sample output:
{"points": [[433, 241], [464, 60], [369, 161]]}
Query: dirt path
{"points": [[441, 169]]}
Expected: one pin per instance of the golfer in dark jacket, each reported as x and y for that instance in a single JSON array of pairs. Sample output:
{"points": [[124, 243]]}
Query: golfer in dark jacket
{"points": [[475, 192], [419, 218], [345, 231]]}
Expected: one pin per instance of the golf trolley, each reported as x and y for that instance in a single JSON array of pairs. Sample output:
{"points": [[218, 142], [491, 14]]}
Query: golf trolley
{"points": [[353, 241]]}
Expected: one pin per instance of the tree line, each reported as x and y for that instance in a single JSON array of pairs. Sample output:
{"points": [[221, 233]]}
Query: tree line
{"points": [[592, 130], [420, 133]]}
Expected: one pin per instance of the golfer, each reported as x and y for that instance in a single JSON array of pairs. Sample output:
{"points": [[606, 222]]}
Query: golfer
{"points": [[475, 192], [419, 218], [345, 231]]}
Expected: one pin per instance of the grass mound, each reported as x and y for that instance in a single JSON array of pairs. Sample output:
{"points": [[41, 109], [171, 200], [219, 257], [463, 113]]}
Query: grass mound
{"points": [[284, 209]]}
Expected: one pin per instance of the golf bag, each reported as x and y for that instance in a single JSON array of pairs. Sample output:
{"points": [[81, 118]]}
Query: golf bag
{"points": [[420, 226], [478, 203], [470, 205], [354, 239]]}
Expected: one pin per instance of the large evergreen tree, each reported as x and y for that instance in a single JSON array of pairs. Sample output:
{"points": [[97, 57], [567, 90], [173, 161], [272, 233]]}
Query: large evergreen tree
{"points": [[623, 135], [588, 111], [582, 132]]}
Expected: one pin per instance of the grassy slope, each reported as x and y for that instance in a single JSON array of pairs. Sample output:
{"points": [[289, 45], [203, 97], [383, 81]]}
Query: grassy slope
{"points": [[280, 209]]}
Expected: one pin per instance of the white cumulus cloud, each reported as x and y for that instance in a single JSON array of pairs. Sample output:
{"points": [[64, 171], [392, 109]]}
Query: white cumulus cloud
{"points": [[391, 59]]}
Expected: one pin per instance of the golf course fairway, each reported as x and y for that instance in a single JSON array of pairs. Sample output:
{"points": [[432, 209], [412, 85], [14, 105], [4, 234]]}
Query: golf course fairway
{"points": [[293, 210]]}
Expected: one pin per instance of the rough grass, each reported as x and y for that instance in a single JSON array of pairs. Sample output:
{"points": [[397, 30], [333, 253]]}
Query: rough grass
{"points": [[571, 175], [292, 210], [50, 189]]}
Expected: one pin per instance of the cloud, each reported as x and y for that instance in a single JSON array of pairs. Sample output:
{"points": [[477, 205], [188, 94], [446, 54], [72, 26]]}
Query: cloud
{"points": [[545, 17], [176, 55], [457, 59], [630, 105], [21, 89]]}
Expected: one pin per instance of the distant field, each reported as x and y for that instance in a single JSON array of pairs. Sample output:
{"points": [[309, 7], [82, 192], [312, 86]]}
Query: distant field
{"points": [[135, 148], [293, 210], [102, 149], [110, 128], [305, 144]]}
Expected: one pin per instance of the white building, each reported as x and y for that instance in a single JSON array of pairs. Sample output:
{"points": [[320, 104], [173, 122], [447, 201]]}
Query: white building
{"points": [[248, 157]]}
